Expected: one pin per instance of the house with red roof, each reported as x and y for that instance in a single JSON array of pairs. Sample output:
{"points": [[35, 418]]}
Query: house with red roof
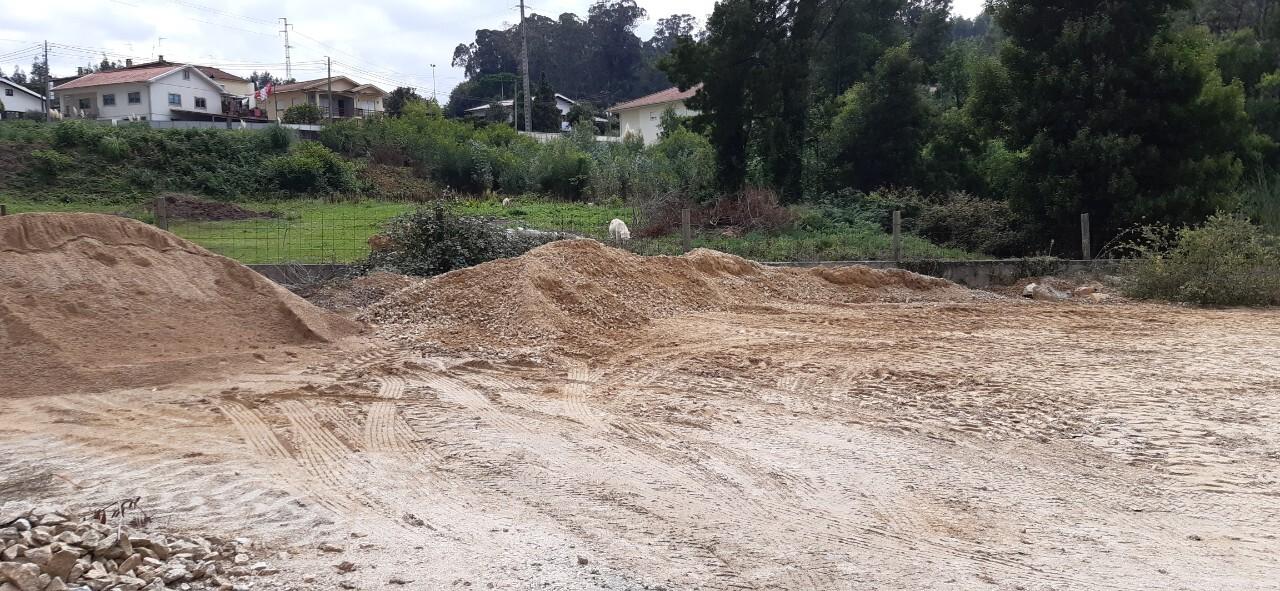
{"points": [[150, 92], [349, 99], [643, 116]]}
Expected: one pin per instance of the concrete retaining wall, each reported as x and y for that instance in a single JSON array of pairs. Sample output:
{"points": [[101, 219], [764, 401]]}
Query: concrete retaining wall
{"points": [[975, 274]]}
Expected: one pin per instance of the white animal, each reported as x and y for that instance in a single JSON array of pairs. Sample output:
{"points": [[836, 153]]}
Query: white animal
{"points": [[506, 202], [618, 231]]}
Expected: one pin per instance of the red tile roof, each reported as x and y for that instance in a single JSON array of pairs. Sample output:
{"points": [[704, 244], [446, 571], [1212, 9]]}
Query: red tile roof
{"points": [[117, 77], [664, 96]]}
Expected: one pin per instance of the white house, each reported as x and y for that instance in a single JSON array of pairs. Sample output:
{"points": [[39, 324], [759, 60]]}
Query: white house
{"points": [[351, 99], [563, 103], [643, 116], [171, 92], [18, 98]]}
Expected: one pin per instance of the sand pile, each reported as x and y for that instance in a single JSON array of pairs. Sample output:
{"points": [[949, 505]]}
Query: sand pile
{"points": [[579, 296], [90, 302]]}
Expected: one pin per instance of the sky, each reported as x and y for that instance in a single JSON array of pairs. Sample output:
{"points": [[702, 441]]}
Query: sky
{"points": [[388, 43]]}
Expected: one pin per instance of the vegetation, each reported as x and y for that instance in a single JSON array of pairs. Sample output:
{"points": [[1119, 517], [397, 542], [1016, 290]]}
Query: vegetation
{"points": [[304, 113], [1228, 261], [431, 242], [1038, 111]]}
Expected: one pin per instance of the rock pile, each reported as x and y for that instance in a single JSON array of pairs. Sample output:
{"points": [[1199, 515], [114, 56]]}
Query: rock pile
{"points": [[49, 550]]}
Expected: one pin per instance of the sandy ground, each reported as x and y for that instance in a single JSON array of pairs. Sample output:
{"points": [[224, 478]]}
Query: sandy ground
{"points": [[879, 446]]}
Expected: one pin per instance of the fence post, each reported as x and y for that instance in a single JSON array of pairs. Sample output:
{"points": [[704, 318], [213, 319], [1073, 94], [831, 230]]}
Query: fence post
{"points": [[162, 213], [897, 236], [4, 210], [1085, 244], [686, 232]]}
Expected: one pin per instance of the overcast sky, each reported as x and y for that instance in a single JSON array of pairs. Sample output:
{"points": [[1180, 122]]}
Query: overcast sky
{"points": [[386, 42]]}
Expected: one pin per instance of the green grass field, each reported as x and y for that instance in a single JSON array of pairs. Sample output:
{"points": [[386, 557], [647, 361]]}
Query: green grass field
{"points": [[316, 231]]}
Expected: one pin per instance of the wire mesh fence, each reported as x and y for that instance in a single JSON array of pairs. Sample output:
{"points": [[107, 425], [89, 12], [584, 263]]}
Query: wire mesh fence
{"points": [[339, 238]]}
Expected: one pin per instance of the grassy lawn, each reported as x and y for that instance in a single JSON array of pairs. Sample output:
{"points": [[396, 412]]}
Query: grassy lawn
{"points": [[316, 231]]}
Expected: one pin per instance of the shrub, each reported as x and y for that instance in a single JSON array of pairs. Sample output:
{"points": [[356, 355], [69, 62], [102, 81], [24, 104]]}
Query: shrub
{"points": [[113, 147], [278, 139], [305, 114], [431, 242], [1228, 261], [962, 221], [50, 163], [77, 133], [311, 167]]}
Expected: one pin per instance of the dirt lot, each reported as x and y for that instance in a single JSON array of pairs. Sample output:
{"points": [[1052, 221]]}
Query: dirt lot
{"points": [[880, 446]]}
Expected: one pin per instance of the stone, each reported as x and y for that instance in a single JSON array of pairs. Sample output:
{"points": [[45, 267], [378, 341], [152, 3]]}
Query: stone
{"points": [[327, 547], [39, 556], [22, 525], [13, 552], [345, 566], [175, 574], [8, 587], [241, 559], [347, 585], [161, 550], [26, 577], [398, 581], [56, 584], [129, 563], [68, 538], [582, 561], [61, 564], [53, 519]]}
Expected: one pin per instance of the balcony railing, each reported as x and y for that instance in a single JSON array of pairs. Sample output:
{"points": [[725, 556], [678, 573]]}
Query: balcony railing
{"points": [[347, 113]]}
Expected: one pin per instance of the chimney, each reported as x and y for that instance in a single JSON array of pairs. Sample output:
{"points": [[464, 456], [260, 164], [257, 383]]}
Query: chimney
{"points": [[128, 62]]}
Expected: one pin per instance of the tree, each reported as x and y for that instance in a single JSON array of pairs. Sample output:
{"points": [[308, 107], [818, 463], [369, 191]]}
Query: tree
{"points": [[395, 102], [881, 126], [1117, 115], [39, 76], [18, 76], [303, 113], [546, 115]]}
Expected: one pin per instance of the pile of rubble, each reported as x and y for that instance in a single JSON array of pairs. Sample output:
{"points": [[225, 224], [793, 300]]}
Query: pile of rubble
{"points": [[48, 550]]}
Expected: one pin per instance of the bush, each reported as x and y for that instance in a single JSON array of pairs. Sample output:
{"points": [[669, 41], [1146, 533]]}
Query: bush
{"points": [[302, 114], [1228, 261], [962, 221], [431, 242], [277, 139], [50, 163], [312, 168], [113, 148]]}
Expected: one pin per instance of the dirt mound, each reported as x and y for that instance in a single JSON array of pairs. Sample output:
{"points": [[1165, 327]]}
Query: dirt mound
{"points": [[579, 296], [350, 295], [92, 301], [188, 207]]}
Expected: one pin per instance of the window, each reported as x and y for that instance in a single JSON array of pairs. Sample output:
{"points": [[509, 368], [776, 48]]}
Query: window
{"points": [[8, 92], [135, 98], [85, 103], [108, 100], [186, 74], [200, 104], [175, 99], [653, 115]]}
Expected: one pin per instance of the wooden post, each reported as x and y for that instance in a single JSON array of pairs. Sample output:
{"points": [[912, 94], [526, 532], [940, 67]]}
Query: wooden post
{"points": [[162, 213], [4, 210], [897, 236], [1085, 243], [686, 232]]}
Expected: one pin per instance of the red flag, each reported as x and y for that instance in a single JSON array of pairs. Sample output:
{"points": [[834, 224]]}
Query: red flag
{"points": [[262, 93]]}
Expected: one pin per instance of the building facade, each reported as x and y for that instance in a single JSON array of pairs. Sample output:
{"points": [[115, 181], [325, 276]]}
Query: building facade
{"points": [[642, 117]]}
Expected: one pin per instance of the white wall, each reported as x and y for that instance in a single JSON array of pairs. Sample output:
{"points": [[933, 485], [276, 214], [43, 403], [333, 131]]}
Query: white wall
{"points": [[646, 121], [122, 109], [20, 101], [197, 86]]}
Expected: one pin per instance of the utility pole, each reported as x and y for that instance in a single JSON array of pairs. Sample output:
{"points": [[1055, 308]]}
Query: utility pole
{"points": [[524, 59], [44, 84], [288, 61], [433, 84], [328, 72]]}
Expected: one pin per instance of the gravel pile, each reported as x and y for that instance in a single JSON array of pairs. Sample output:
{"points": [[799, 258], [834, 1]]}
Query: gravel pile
{"points": [[580, 297], [50, 550]]}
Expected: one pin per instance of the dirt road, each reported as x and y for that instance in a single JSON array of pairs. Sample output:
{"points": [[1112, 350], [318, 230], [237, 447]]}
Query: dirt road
{"points": [[879, 446]]}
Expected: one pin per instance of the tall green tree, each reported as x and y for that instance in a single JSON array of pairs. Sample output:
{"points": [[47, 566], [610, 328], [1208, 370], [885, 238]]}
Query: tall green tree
{"points": [[546, 115], [880, 128], [1117, 115], [395, 102]]}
